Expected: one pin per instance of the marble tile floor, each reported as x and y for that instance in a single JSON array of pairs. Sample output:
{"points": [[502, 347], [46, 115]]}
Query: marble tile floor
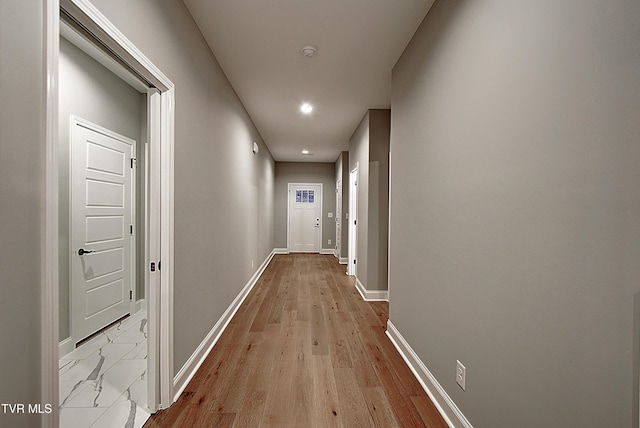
{"points": [[103, 383]]}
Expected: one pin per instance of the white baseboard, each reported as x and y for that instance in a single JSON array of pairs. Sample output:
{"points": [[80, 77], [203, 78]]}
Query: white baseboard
{"points": [[140, 304], [344, 260], [445, 405], [194, 362], [286, 251], [65, 347], [372, 295]]}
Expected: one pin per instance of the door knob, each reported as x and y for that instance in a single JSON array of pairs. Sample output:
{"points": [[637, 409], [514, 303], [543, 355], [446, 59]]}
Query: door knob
{"points": [[82, 251]]}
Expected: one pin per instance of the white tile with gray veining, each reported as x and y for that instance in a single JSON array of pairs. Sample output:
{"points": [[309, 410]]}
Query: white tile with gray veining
{"points": [[103, 382], [91, 367], [104, 391], [123, 413]]}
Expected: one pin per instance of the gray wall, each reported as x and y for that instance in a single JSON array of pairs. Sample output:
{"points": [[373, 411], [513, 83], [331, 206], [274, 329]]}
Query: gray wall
{"points": [[378, 221], [305, 172], [369, 149], [342, 173], [22, 160], [90, 91], [223, 192], [515, 206]]}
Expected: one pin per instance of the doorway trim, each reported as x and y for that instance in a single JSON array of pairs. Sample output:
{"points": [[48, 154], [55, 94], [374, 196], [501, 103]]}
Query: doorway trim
{"points": [[289, 187], [353, 219], [160, 104], [338, 220]]}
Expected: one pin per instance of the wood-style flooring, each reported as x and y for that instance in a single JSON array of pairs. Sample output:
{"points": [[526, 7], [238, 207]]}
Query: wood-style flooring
{"points": [[303, 350]]}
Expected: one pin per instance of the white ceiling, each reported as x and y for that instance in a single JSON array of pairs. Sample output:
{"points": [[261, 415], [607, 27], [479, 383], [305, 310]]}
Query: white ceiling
{"points": [[259, 46]]}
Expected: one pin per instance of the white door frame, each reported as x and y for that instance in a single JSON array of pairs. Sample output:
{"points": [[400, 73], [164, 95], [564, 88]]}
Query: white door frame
{"points": [[389, 234], [353, 217], [160, 104], [338, 219], [289, 186]]}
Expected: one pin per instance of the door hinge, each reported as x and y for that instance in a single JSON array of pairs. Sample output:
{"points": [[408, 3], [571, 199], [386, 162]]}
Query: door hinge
{"points": [[354, 261], [153, 266], [130, 229], [130, 294], [133, 162]]}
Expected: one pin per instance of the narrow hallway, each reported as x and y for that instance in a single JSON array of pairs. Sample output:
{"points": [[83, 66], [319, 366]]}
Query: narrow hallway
{"points": [[303, 350]]}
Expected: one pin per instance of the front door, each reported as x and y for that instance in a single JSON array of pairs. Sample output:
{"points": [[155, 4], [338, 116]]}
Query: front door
{"points": [[305, 206], [102, 174]]}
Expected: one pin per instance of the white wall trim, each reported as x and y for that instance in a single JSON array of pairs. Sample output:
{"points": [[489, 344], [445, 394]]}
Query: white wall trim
{"points": [[66, 346], [140, 304], [344, 260], [328, 251], [445, 405], [50, 348], [186, 373], [352, 249], [281, 251], [372, 295]]}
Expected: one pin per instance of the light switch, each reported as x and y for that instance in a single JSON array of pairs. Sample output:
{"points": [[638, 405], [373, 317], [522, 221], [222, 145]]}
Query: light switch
{"points": [[330, 215]]}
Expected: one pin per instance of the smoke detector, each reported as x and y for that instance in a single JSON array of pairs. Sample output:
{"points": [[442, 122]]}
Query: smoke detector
{"points": [[309, 51]]}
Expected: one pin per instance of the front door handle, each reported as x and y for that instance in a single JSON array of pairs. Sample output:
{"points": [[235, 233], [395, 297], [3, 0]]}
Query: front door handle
{"points": [[82, 251]]}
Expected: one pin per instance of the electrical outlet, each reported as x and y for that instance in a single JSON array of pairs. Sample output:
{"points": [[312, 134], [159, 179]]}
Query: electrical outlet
{"points": [[461, 375], [329, 241]]}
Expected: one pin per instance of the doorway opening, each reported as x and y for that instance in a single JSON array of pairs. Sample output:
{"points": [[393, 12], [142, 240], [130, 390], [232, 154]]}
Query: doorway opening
{"points": [[107, 314], [338, 248], [157, 225]]}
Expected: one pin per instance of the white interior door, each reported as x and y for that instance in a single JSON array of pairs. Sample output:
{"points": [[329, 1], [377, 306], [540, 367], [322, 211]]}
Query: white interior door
{"points": [[102, 195], [339, 218], [305, 220]]}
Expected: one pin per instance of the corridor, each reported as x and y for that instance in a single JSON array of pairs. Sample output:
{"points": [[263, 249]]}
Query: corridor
{"points": [[303, 350]]}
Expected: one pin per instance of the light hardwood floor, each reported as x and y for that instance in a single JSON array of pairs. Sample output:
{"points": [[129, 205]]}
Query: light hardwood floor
{"points": [[303, 350]]}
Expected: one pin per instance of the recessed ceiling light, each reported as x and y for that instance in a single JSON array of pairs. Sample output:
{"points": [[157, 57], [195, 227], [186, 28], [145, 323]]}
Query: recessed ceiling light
{"points": [[305, 152], [306, 108]]}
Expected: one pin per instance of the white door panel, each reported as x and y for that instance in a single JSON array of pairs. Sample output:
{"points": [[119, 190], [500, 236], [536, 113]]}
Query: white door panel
{"points": [[101, 216], [104, 228], [101, 263], [104, 297], [104, 194]]}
